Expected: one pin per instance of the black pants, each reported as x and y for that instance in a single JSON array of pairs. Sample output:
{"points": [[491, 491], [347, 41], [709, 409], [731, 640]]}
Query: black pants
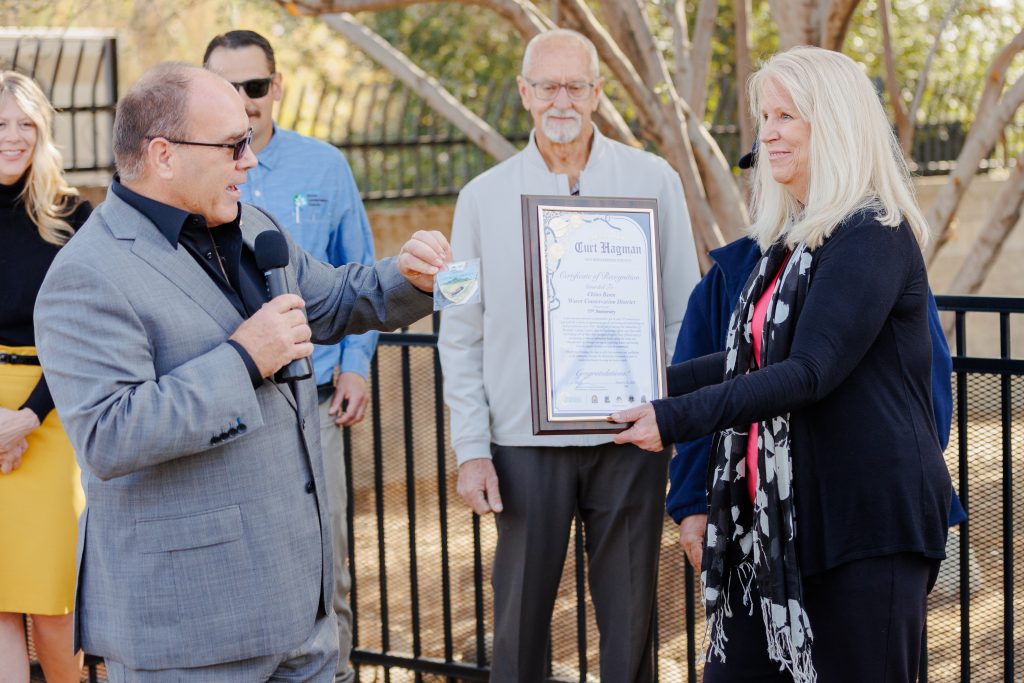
{"points": [[619, 493], [867, 618]]}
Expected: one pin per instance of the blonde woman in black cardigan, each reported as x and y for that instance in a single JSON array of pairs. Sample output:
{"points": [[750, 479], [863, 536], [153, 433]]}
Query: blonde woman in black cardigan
{"points": [[827, 490]]}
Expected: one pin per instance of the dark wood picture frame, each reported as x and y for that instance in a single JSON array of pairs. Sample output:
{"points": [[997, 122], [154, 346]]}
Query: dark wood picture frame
{"points": [[537, 337]]}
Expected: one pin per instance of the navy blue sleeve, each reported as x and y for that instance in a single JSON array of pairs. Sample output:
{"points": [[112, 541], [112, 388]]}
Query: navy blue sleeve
{"points": [[942, 395], [942, 372], [687, 469], [857, 277], [250, 364]]}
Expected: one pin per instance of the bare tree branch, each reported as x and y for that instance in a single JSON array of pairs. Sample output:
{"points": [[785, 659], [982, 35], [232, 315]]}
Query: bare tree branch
{"points": [[665, 116], [710, 181], [675, 15], [982, 137], [700, 58], [648, 107], [522, 14], [625, 22], [1001, 219], [798, 21], [904, 125], [424, 85], [743, 70], [915, 104], [836, 22], [995, 77]]}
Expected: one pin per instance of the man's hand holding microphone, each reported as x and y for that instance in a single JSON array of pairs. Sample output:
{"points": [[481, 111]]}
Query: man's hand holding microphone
{"points": [[278, 333]]}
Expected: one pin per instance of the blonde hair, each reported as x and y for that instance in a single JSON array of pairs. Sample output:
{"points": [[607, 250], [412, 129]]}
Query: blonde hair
{"points": [[854, 160], [46, 192]]}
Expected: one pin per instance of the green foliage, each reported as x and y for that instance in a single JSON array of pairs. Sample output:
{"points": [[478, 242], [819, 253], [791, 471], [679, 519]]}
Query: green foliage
{"points": [[465, 48], [977, 31]]}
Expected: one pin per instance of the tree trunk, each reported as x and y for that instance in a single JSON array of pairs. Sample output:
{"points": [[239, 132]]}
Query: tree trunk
{"points": [[922, 79], [904, 126], [836, 22], [743, 71], [703, 29], [799, 22], [981, 138], [1001, 219], [424, 85]]}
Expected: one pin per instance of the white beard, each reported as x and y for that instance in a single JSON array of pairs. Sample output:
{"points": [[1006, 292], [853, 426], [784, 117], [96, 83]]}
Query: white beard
{"points": [[561, 133]]}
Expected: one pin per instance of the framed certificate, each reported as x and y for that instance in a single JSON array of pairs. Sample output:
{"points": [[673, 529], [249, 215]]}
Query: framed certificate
{"points": [[593, 310]]}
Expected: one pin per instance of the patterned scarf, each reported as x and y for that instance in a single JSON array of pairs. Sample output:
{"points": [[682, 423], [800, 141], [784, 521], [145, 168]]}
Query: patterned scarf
{"points": [[764, 551]]}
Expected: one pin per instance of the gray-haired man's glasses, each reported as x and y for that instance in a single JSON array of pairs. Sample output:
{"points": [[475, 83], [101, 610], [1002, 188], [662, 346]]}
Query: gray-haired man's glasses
{"points": [[578, 91]]}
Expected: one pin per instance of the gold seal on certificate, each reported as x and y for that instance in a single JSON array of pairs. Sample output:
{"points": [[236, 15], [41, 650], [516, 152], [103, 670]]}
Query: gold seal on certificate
{"points": [[593, 309]]}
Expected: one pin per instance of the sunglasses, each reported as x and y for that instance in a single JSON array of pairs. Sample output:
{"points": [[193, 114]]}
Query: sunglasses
{"points": [[237, 148], [255, 88]]}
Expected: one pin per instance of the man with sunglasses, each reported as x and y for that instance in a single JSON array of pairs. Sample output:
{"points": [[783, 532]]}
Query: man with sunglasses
{"points": [[544, 480], [205, 547], [308, 186]]}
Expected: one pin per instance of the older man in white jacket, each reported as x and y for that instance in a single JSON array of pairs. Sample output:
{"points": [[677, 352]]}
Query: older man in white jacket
{"points": [[618, 490]]}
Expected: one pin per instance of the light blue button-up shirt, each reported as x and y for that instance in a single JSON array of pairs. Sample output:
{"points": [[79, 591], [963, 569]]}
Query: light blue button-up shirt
{"points": [[308, 187]]}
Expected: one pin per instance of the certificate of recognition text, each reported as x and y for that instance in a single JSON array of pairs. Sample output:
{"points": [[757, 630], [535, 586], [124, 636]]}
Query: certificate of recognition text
{"points": [[601, 316]]}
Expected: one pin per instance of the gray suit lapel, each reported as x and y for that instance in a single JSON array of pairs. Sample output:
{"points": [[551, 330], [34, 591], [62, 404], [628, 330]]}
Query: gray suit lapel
{"points": [[176, 264]]}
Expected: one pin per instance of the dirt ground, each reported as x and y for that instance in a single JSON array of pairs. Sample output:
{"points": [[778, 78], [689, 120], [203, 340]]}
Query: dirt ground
{"points": [[395, 541]]}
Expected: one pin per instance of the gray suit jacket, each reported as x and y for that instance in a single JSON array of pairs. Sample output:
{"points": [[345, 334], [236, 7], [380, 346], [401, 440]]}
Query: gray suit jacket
{"points": [[205, 537]]}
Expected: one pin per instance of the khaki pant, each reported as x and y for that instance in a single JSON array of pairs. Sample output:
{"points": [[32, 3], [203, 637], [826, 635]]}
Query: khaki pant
{"points": [[334, 469]]}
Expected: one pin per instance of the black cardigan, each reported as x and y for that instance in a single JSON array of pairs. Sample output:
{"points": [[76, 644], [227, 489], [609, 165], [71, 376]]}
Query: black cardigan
{"points": [[24, 259], [869, 476]]}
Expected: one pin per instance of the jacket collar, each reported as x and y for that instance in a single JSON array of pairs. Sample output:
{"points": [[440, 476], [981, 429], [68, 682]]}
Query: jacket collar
{"points": [[126, 222], [736, 260]]}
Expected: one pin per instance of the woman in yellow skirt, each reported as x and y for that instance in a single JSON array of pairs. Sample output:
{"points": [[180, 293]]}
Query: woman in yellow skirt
{"points": [[40, 487]]}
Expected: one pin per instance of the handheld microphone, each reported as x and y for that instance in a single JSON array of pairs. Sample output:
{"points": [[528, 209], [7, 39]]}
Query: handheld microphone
{"points": [[271, 252]]}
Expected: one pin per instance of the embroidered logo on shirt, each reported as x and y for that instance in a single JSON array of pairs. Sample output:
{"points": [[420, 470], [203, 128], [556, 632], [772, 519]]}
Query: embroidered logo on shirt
{"points": [[312, 202]]}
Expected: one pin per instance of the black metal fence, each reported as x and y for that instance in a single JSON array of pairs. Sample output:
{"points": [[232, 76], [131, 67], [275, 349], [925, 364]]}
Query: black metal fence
{"points": [[421, 559], [398, 147], [77, 69]]}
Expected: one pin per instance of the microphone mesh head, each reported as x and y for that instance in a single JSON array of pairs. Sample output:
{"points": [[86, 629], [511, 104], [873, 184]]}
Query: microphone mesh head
{"points": [[271, 250]]}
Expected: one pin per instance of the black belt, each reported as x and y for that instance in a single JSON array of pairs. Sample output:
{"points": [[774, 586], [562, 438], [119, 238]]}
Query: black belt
{"points": [[15, 359]]}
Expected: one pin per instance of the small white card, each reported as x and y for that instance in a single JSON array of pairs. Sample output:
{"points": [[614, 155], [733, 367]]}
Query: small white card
{"points": [[458, 284]]}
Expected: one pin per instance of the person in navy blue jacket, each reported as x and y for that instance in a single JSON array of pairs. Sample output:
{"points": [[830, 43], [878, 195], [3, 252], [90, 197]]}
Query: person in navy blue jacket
{"points": [[828, 496], [703, 331]]}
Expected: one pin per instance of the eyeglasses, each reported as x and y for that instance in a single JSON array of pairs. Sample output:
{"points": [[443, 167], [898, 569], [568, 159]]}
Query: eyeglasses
{"points": [[237, 148], [546, 91], [254, 88]]}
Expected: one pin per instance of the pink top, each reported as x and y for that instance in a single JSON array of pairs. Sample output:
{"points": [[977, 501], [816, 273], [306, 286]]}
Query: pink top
{"points": [[757, 325]]}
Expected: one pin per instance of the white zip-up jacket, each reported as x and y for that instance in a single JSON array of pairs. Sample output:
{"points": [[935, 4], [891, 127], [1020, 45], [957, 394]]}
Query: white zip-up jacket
{"points": [[483, 346]]}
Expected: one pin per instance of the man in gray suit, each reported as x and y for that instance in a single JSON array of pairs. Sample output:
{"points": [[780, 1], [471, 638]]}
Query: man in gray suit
{"points": [[205, 551]]}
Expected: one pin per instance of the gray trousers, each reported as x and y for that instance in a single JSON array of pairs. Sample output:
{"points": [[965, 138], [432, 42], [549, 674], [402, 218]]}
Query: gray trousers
{"points": [[619, 492], [314, 661], [334, 469]]}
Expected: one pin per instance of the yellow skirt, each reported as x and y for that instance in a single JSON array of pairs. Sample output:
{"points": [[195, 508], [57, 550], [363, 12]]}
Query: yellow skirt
{"points": [[40, 503]]}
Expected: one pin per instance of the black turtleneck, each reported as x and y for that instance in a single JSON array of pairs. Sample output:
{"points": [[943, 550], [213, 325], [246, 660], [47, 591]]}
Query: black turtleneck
{"points": [[24, 259]]}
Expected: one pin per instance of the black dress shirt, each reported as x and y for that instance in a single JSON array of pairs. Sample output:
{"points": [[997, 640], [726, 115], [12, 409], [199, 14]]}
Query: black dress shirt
{"points": [[219, 251]]}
